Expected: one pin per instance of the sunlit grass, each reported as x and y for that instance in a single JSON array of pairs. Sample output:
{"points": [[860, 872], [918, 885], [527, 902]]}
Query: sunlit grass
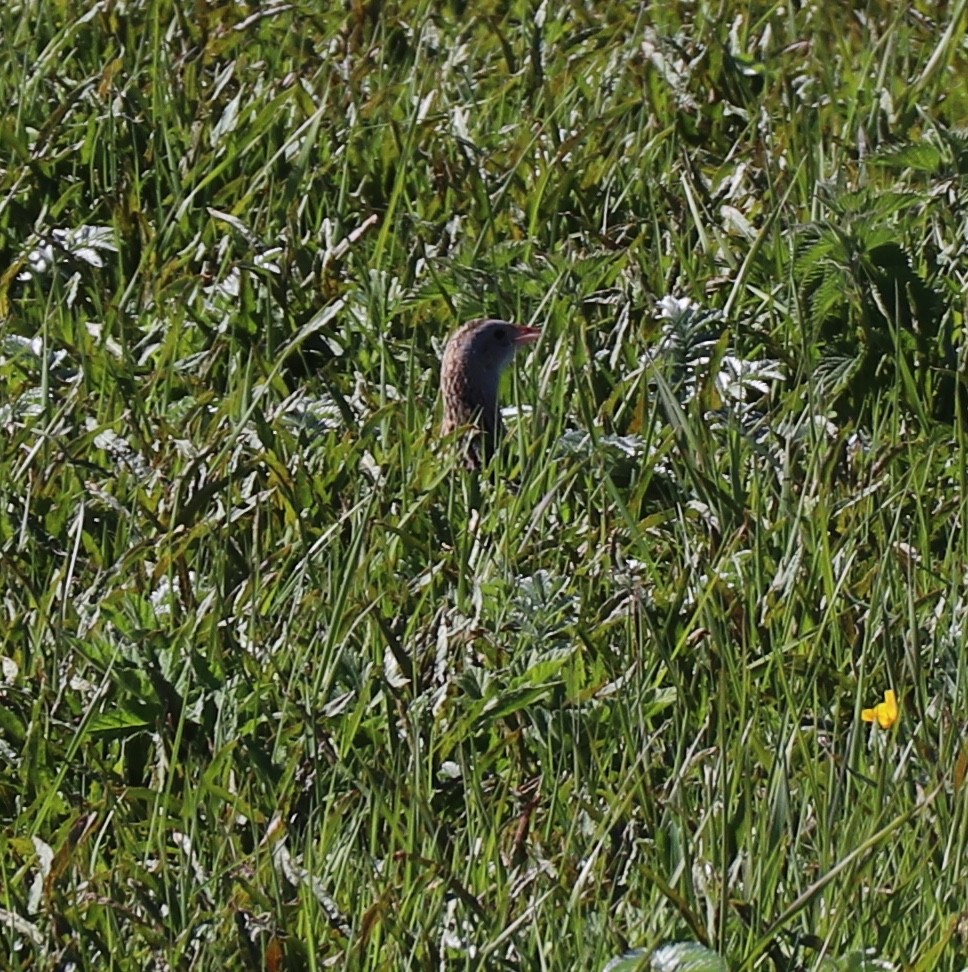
{"points": [[282, 686]]}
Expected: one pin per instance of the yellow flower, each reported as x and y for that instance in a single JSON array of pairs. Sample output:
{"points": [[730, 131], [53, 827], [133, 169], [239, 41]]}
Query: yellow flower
{"points": [[884, 713]]}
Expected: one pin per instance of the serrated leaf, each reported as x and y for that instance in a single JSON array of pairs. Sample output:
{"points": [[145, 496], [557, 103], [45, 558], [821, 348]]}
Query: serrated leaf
{"points": [[921, 156], [675, 957], [810, 262], [514, 700], [828, 296], [117, 722], [544, 668], [833, 372]]}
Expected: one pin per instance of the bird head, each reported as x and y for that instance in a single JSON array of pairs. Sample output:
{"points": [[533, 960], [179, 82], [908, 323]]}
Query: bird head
{"points": [[474, 358], [482, 349]]}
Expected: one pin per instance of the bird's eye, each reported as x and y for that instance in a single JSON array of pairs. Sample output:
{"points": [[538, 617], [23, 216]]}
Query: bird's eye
{"points": [[500, 334]]}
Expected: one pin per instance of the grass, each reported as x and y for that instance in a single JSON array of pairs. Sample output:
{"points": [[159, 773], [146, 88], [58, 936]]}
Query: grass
{"points": [[282, 686]]}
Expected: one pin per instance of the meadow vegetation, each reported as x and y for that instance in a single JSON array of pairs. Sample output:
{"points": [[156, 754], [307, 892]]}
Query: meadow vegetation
{"points": [[283, 686]]}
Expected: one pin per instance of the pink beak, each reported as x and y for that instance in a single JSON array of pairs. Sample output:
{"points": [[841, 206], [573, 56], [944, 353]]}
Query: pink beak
{"points": [[525, 335]]}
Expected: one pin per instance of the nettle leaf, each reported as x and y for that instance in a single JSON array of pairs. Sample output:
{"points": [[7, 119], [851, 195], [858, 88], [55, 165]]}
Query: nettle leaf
{"points": [[828, 296], [693, 339], [882, 236], [811, 261], [850, 204], [119, 723], [958, 143], [891, 203], [675, 957], [855, 962], [834, 372], [920, 156], [509, 701], [544, 667]]}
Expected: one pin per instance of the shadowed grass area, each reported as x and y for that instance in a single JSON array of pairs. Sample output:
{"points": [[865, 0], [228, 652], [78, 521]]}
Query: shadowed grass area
{"points": [[282, 686]]}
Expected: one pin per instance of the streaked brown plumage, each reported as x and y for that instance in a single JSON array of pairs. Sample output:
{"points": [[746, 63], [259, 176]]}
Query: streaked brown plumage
{"points": [[470, 373]]}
